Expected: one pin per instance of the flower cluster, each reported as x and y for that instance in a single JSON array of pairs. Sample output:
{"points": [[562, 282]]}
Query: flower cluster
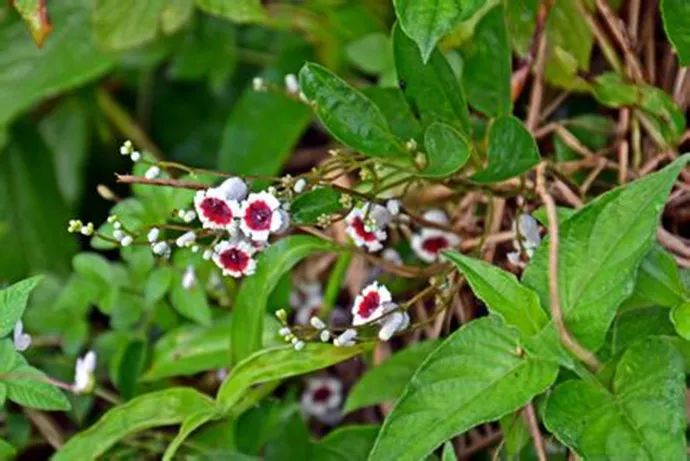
{"points": [[248, 219]]}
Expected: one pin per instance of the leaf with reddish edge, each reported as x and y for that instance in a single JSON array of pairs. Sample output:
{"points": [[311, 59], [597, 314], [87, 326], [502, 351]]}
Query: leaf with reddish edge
{"points": [[35, 14]]}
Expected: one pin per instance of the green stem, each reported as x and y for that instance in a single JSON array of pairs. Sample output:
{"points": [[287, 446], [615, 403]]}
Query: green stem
{"points": [[335, 281]]}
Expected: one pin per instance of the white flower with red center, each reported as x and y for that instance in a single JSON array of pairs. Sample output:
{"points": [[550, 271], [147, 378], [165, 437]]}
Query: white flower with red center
{"points": [[215, 210], [371, 303], [235, 258], [429, 243], [366, 226], [260, 215], [322, 398]]}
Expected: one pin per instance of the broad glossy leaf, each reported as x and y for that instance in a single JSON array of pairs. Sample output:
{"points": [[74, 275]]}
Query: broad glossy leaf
{"points": [[400, 118], [13, 300], [236, 10], [250, 305], [372, 53], [27, 386], [637, 323], [161, 408], [658, 279], [426, 21], [600, 248], [641, 417], [512, 151], [432, 89], [446, 151], [261, 131], [280, 363], [307, 207], [487, 70], [349, 116], [127, 365], [68, 59], [189, 425], [676, 16], [476, 375], [35, 15], [502, 293], [515, 434], [345, 444], [122, 24], [386, 382]]}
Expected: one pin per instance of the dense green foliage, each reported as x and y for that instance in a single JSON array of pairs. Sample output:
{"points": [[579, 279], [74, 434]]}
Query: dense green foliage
{"points": [[319, 242]]}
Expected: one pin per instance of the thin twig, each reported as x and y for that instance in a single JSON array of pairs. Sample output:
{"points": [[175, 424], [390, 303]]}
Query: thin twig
{"points": [[533, 425], [130, 179], [556, 312]]}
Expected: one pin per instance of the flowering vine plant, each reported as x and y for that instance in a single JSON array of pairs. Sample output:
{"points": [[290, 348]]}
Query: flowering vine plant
{"points": [[469, 240]]}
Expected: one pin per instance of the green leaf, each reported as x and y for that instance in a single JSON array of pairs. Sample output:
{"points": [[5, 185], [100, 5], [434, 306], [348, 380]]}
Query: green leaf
{"points": [[392, 103], [521, 20], [13, 300], [676, 16], [446, 151], [600, 248], [427, 21], [372, 53], [448, 452], [261, 131], [67, 60], [502, 293], [155, 409], [348, 115], [658, 279], [476, 375], [191, 349], [27, 386], [386, 382], [122, 24], [680, 316], [307, 208], [569, 43], [33, 227], [157, 284], [236, 10], [512, 151], [515, 434], [191, 303], [65, 131], [487, 70], [432, 89], [642, 417], [345, 444], [637, 323], [250, 304], [127, 366], [278, 363], [35, 15], [7, 451], [189, 425]]}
